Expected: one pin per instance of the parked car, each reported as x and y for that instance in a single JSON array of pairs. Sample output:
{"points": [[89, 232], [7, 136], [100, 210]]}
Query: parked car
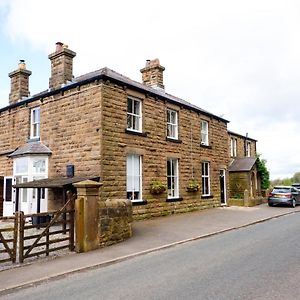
{"points": [[296, 185], [284, 195]]}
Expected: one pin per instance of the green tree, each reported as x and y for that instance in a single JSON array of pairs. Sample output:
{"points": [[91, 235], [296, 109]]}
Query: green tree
{"points": [[296, 177], [263, 172]]}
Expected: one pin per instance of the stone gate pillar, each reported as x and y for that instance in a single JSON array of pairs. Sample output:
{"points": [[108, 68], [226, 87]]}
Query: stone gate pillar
{"points": [[87, 215]]}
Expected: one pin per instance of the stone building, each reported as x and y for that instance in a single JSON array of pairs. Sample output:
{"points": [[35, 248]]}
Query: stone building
{"points": [[243, 173], [161, 152]]}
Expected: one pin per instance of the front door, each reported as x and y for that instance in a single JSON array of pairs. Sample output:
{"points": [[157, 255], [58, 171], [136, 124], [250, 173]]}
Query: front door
{"points": [[9, 205], [223, 186]]}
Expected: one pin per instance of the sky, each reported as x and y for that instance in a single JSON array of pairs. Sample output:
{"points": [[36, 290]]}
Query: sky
{"points": [[238, 59]]}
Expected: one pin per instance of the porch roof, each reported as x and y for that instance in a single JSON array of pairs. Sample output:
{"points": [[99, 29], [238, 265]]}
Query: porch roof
{"points": [[244, 164], [56, 182]]}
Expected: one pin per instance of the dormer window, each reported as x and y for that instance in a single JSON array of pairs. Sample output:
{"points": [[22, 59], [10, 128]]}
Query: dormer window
{"points": [[35, 123], [204, 133]]}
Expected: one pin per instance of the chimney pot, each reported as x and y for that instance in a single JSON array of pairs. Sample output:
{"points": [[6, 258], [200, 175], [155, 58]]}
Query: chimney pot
{"points": [[59, 46]]}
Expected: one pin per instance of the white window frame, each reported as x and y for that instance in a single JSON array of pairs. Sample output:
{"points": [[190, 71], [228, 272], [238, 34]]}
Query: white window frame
{"points": [[233, 146], [35, 118], [205, 174], [173, 178], [248, 149], [134, 119], [172, 127], [204, 133], [131, 165]]}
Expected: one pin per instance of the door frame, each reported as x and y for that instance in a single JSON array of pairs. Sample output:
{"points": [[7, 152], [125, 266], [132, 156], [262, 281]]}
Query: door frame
{"points": [[223, 187]]}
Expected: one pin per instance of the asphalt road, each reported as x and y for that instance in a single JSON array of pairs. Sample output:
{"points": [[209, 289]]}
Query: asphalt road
{"points": [[257, 262]]}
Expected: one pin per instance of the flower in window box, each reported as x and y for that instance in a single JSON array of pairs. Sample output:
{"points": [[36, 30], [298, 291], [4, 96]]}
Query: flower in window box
{"points": [[193, 186], [157, 187]]}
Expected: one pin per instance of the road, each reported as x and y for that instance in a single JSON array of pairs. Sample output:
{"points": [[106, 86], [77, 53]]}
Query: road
{"points": [[257, 262]]}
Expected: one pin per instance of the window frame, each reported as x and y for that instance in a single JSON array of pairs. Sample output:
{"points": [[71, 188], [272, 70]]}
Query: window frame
{"points": [[204, 133], [233, 147], [248, 149], [133, 116], [173, 178], [205, 178], [173, 126], [35, 124], [140, 177]]}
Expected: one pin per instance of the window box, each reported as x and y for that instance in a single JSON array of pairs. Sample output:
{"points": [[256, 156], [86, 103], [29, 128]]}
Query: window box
{"points": [[157, 187], [193, 186]]}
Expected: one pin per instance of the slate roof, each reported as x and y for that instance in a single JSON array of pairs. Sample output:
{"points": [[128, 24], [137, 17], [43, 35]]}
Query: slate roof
{"points": [[242, 136], [31, 148], [244, 164], [108, 74]]}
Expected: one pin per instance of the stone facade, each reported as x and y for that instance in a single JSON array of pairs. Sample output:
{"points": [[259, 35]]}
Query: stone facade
{"points": [[243, 175], [84, 123]]}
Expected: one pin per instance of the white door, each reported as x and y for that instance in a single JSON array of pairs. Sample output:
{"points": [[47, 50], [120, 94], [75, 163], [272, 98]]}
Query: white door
{"points": [[9, 205]]}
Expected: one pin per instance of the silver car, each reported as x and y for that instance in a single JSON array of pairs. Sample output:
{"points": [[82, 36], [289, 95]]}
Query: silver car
{"points": [[284, 195]]}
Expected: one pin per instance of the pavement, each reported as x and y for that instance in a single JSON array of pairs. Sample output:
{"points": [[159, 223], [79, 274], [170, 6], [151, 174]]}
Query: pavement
{"points": [[148, 236]]}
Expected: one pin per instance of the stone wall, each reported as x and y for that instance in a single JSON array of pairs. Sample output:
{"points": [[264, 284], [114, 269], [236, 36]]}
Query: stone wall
{"points": [[240, 149], [115, 218], [155, 149]]}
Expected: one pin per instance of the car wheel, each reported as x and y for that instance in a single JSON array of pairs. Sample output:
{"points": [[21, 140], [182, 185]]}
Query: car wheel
{"points": [[270, 204], [294, 203]]}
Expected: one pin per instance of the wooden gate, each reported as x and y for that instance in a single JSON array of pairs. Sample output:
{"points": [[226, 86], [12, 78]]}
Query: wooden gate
{"points": [[52, 232], [8, 238]]}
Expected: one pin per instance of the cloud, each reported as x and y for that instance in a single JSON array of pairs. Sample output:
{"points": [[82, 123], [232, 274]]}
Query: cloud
{"points": [[238, 59]]}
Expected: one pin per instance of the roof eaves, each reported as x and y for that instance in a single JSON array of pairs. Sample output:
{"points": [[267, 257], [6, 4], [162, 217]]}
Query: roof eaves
{"points": [[105, 74]]}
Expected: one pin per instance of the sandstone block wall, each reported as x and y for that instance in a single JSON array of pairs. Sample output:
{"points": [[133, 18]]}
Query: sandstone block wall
{"points": [[115, 218], [155, 149]]}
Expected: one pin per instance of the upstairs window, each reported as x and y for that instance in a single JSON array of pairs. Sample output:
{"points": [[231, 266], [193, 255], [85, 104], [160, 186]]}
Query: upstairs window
{"points": [[248, 149], [35, 123], [204, 133], [205, 179], [233, 143], [172, 124], [172, 176], [134, 177], [134, 115]]}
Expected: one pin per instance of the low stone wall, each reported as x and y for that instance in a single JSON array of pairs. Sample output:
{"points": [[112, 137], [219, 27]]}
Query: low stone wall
{"points": [[246, 202], [115, 219]]}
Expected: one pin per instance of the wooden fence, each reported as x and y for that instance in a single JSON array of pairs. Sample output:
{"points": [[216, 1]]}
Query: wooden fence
{"points": [[8, 239], [37, 234]]}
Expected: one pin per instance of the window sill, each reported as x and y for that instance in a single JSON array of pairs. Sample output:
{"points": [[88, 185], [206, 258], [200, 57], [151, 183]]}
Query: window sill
{"points": [[207, 197], [139, 202], [136, 132], [205, 146], [174, 199], [177, 141]]}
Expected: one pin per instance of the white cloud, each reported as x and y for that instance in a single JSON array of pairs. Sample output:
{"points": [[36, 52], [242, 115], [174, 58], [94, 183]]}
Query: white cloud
{"points": [[239, 59]]}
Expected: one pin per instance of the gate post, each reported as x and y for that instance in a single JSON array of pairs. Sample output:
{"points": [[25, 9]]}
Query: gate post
{"points": [[86, 215]]}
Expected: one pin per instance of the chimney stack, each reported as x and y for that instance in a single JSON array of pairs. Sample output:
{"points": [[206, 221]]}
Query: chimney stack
{"points": [[19, 87], [61, 65], [152, 74]]}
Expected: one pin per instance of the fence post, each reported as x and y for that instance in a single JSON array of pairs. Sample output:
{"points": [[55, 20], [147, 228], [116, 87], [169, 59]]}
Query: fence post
{"points": [[87, 216], [20, 217]]}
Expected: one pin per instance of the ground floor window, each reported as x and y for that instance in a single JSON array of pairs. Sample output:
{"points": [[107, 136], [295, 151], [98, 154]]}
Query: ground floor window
{"points": [[134, 177], [172, 176], [205, 178]]}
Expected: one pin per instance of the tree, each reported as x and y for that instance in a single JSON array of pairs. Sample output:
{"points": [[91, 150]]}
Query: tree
{"points": [[263, 172], [296, 177]]}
